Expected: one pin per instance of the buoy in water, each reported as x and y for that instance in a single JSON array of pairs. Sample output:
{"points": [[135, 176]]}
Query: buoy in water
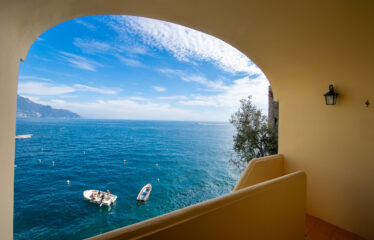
{"points": [[68, 181], [158, 180]]}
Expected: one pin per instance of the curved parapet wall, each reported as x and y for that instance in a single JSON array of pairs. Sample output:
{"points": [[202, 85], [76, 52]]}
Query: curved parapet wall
{"points": [[260, 170], [274, 209]]}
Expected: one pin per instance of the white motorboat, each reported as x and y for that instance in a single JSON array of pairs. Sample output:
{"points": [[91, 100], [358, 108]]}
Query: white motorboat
{"points": [[100, 197], [24, 136], [144, 193]]}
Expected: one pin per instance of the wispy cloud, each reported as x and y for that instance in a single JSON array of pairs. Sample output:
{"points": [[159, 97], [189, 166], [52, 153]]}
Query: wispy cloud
{"points": [[49, 89], [173, 98], [128, 61], [184, 43], [79, 61], [85, 24], [138, 98], [23, 77], [85, 88], [228, 95], [32, 98], [159, 89], [217, 85], [112, 47], [135, 41], [92, 46], [233, 93], [125, 109], [40, 88]]}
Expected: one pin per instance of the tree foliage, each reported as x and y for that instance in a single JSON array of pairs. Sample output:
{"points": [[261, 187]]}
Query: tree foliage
{"points": [[254, 137]]}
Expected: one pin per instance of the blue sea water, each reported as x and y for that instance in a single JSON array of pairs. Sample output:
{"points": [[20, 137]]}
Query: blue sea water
{"points": [[192, 166]]}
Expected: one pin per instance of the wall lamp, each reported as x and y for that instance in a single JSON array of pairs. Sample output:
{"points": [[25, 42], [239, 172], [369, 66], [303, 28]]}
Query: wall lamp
{"points": [[331, 96]]}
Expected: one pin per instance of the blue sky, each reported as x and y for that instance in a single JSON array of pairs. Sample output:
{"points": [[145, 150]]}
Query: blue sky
{"points": [[125, 67]]}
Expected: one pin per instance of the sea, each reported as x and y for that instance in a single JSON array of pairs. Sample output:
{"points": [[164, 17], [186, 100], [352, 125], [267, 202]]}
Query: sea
{"points": [[186, 163]]}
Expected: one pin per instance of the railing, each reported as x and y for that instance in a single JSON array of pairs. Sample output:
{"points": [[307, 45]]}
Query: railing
{"points": [[260, 170], [274, 209]]}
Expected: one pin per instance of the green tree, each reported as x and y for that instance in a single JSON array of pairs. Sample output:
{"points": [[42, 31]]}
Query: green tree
{"points": [[254, 138]]}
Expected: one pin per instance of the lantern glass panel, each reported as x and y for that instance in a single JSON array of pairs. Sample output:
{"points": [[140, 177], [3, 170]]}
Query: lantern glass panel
{"points": [[330, 100]]}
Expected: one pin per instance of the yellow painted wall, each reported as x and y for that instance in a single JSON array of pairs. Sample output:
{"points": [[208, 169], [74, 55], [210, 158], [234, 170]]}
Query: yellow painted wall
{"points": [[334, 145], [260, 170], [272, 210], [302, 46]]}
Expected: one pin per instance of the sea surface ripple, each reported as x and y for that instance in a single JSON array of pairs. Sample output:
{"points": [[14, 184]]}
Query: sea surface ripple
{"points": [[192, 166]]}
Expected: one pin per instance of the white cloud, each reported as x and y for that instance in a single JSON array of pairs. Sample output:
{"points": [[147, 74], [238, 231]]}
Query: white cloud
{"points": [[159, 89], [128, 61], [204, 102], [39, 88], [197, 78], [125, 109], [32, 98], [184, 43], [92, 46], [49, 89], [230, 98], [215, 107], [79, 61], [95, 47], [138, 98], [34, 78], [85, 24], [84, 88], [228, 95], [172, 97], [212, 85]]}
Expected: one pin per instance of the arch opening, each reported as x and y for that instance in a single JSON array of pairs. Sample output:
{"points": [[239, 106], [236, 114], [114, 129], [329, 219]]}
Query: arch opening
{"points": [[75, 86]]}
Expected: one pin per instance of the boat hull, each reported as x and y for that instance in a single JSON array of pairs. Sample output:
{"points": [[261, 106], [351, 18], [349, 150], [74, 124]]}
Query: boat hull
{"points": [[144, 193], [99, 197]]}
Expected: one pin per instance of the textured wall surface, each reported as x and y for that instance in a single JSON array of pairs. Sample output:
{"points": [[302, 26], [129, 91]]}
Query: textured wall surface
{"points": [[302, 47], [272, 210]]}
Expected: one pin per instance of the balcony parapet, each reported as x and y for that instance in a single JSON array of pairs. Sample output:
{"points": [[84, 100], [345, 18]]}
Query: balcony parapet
{"points": [[274, 209], [260, 170]]}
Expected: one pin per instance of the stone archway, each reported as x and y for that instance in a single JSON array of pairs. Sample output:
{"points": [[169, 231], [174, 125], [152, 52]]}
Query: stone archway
{"points": [[27, 25], [302, 47]]}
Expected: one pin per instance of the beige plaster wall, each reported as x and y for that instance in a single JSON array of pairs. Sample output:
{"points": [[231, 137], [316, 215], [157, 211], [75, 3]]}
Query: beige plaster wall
{"points": [[302, 46], [9, 61], [272, 210], [334, 145], [260, 170]]}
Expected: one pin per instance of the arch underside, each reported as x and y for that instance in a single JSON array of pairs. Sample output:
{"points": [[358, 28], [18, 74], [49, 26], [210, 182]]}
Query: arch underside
{"points": [[301, 46]]}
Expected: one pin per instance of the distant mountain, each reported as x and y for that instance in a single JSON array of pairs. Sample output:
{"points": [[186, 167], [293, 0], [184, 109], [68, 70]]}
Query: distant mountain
{"points": [[27, 108]]}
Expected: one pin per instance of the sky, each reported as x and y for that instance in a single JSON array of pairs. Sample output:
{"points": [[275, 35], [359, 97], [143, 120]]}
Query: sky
{"points": [[126, 67]]}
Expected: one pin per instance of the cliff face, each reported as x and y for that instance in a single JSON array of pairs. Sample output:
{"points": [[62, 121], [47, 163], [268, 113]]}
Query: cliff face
{"points": [[27, 108], [273, 110]]}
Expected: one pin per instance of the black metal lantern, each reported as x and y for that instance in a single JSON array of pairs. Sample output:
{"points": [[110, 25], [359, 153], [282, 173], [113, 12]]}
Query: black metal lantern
{"points": [[331, 96]]}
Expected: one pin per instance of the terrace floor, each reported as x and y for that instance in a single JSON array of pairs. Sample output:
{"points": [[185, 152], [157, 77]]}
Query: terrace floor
{"points": [[316, 229]]}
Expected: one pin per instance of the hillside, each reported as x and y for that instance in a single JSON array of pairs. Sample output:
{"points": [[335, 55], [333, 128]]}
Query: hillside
{"points": [[27, 108]]}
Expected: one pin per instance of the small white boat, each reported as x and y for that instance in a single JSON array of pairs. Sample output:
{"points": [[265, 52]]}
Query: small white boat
{"points": [[144, 193], [100, 197], [24, 136]]}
